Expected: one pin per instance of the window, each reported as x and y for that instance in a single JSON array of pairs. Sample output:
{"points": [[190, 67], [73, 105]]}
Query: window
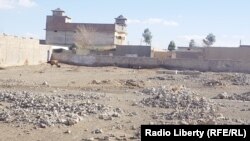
{"points": [[119, 37]]}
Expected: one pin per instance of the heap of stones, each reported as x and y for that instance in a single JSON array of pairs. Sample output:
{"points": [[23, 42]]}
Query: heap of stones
{"points": [[43, 110], [241, 97], [185, 104], [240, 79]]}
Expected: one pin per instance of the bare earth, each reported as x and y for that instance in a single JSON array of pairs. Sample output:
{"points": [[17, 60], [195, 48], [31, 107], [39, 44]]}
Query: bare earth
{"points": [[113, 101]]}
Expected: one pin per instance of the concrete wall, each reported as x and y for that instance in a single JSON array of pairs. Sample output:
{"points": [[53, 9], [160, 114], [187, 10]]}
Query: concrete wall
{"points": [[59, 38], [215, 53], [17, 51], [105, 60], [193, 49], [235, 54], [163, 55], [189, 55], [208, 65], [119, 50], [133, 50], [146, 62]]}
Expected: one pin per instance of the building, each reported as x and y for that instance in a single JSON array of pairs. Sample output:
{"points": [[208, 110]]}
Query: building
{"points": [[61, 31]]}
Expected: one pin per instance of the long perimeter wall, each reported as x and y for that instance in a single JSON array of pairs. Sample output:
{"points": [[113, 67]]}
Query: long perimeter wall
{"points": [[18, 51], [145, 62]]}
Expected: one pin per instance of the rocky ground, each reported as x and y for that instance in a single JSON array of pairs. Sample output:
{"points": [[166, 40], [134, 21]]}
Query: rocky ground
{"points": [[41, 103]]}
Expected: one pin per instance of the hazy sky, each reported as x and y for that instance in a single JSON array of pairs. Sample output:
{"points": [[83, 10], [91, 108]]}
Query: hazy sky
{"points": [[178, 20]]}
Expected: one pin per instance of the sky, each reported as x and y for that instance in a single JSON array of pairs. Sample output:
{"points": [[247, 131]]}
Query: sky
{"points": [[177, 20]]}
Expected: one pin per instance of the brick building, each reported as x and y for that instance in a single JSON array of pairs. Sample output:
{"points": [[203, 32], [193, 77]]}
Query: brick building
{"points": [[61, 31]]}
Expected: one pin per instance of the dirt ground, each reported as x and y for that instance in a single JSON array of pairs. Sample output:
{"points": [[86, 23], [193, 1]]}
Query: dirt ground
{"points": [[122, 88]]}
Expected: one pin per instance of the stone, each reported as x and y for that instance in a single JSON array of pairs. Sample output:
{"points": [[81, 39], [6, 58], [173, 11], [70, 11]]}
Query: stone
{"points": [[183, 122], [67, 132], [223, 95], [72, 121], [106, 138], [96, 82], [89, 139], [101, 116], [242, 97], [97, 131], [45, 83], [185, 104], [42, 125], [115, 115], [151, 123], [133, 127], [45, 111]]}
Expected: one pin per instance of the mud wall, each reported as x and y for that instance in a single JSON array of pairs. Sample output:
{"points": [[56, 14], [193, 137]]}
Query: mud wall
{"points": [[18, 51]]}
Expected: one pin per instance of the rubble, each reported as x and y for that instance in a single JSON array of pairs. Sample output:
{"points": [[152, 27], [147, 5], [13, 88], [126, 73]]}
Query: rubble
{"points": [[133, 83], [157, 78], [97, 82], [212, 83], [45, 83], [67, 132], [43, 110], [240, 79], [186, 105], [223, 95], [242, 97], [166, 77], [97, 131]]}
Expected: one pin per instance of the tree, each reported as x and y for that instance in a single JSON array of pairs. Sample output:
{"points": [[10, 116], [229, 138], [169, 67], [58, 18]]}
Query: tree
{"points": [[147, 36], [84, 37], [192, 43], [171, 46], [209, 40]]}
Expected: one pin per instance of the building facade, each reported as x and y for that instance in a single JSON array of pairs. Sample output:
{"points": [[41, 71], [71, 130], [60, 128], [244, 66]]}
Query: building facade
{"points": [[61, 31]]}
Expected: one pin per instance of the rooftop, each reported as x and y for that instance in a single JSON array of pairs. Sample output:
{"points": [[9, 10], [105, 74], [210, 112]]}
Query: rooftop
{"points": [[121, 17], [58, 10]]}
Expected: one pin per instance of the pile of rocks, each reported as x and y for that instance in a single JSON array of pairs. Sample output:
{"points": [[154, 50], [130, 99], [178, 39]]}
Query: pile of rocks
{"points": [[133, 83], [43, 110], [242, 97], [213, 83], [236, 78], [84, 96], [97, 82], [185, 104], [240, 79]]}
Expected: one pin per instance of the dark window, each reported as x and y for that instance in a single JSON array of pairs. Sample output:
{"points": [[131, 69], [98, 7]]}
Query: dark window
{"points": [[55, 31], [118, 37]]}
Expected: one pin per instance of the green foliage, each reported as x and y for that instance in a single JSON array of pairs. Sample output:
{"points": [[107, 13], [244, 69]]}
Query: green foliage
{"points": [[147, 35], [209, 40], [192, 43], [171, 46]]}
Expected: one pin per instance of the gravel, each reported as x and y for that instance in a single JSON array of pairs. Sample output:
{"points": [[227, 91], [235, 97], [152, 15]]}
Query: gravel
{"points": [[45, 110], [240, 79], [185, 104], [242, 97]]}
